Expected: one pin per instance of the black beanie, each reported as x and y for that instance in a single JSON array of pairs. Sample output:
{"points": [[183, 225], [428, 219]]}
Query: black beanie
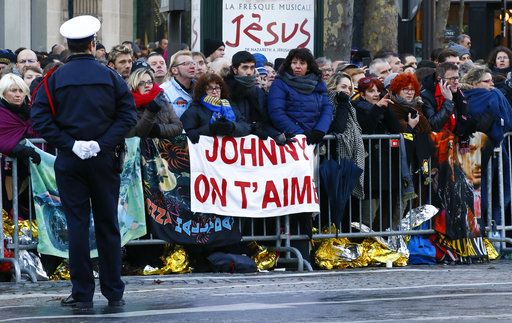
{"points": [[211, 45], [99, 46]]}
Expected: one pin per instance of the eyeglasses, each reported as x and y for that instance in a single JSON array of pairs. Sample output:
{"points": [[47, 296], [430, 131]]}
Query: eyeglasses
{"points": [[453, 79], [502, 58], [488, 81], [213, 89], [147, 83], [409, 90], [326, 70], [30, 60], [186, 64]]}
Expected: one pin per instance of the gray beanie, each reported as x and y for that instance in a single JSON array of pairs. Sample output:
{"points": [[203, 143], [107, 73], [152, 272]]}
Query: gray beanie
{"points": [[461, 50]]}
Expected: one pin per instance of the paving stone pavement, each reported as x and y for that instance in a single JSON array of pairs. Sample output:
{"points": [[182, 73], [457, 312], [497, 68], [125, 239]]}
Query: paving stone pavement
{"points": [[474, 293]]}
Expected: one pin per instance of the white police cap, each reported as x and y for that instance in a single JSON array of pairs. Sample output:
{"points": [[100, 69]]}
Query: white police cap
{"points": [[81, 27]]}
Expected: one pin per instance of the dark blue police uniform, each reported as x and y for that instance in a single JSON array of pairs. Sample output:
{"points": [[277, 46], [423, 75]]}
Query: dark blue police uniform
{"points": [[91, 102]]}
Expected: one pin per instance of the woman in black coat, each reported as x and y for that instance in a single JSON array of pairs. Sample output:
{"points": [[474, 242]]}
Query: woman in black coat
{"points": [[211, 113], [376, 117]]}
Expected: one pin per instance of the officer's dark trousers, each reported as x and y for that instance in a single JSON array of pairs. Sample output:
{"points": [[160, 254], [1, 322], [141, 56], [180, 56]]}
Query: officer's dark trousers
{"points": [[82, 184]]}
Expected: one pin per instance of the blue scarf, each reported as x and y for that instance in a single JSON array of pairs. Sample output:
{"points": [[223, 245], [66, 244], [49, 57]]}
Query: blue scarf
{"points": [[219, 107]]}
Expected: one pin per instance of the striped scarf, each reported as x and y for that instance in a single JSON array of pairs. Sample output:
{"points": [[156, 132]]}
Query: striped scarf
{"points": [[219, 107]]}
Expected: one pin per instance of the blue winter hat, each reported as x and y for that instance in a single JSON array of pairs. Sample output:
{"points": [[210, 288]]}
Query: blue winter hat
{"points": [[260, 58], [260, 68]]}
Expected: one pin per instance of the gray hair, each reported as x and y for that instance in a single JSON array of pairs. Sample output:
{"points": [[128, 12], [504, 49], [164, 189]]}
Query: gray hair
{"points": [[461, 38], [375, 62], [9, 80], [323, 61]]}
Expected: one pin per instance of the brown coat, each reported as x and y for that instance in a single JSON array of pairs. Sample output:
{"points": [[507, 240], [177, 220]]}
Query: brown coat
{"points": [[167, 120], [402, 112]]}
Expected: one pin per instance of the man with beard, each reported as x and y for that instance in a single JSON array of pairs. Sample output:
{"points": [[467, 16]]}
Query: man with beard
{"points": [[120, 60], [178, 90], [248, 99]]}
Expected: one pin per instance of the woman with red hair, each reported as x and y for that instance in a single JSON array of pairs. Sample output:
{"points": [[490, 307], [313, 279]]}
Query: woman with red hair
{"points": [[376, 117], [404, 91]]}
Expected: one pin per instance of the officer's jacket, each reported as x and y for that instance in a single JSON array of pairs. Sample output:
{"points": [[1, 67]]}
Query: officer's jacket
{"points": [[92, 102]]}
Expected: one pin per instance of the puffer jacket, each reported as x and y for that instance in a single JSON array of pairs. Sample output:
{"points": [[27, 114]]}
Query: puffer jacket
{"points": [[293, 112]]}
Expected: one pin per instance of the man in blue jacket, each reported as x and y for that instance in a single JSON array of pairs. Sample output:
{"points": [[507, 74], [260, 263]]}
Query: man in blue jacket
{"points": [[85, 112]]}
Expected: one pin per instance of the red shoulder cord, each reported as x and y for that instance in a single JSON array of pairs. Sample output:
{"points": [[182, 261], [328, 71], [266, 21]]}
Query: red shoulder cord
{"points": [[45, 81]]}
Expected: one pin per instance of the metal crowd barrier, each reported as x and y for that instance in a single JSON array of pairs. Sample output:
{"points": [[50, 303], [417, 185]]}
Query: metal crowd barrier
{"points": [[497, 228], [276, 233]]}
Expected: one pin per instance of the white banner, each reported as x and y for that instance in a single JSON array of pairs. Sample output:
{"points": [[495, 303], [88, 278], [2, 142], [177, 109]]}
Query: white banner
{"points": [[269, 27], [248, 177], [195, 25]]}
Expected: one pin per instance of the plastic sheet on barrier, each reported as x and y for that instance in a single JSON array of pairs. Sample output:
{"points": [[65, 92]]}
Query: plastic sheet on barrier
{"points": [[51, 218], [167, 198], [457, 179]]}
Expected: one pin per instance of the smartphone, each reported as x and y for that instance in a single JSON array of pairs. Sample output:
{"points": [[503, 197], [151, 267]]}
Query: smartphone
{"points": [[413, 112], [366, 61]]}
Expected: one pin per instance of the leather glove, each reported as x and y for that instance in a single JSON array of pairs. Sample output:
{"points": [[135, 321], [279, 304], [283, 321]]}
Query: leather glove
{"points": [[262, 134], [284, 138], [155, 131], [34, 156], [154, 107], [222, 127], [26, 153], [280, 139], [314, 136], [193, 135], [81, 149], [94, 148], [159, 102]]}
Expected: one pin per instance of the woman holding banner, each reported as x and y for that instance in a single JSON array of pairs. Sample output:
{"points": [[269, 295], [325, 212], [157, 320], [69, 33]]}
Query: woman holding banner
{"points": [[297, 99], [156, 117], [298, 104], [211, 113]]}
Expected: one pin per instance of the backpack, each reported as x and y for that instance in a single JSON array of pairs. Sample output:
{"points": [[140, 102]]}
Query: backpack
{"points": [[232, 263], [421, 249]]}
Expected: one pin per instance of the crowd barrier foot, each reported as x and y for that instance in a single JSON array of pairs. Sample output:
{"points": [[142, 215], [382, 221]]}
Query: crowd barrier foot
{"points": [[301, 263], [30, 273], [17, 271]]}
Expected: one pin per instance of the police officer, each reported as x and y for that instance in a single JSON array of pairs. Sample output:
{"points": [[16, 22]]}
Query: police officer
{"points": [[86, 112]]}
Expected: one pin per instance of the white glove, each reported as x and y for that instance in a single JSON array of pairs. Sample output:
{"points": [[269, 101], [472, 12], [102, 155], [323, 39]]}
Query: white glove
{"points": [[94, 148], [81, 149]]}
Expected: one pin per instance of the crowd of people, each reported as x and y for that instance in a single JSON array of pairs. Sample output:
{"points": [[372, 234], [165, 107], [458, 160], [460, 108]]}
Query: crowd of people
{"points": [[205, 94]]}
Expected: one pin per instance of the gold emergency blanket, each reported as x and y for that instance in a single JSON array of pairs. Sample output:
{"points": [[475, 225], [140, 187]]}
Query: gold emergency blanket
{"points": [[175, 261]]}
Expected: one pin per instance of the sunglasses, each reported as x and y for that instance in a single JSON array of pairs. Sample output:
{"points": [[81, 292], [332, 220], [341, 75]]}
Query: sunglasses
{"points": [[368, 80]]}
